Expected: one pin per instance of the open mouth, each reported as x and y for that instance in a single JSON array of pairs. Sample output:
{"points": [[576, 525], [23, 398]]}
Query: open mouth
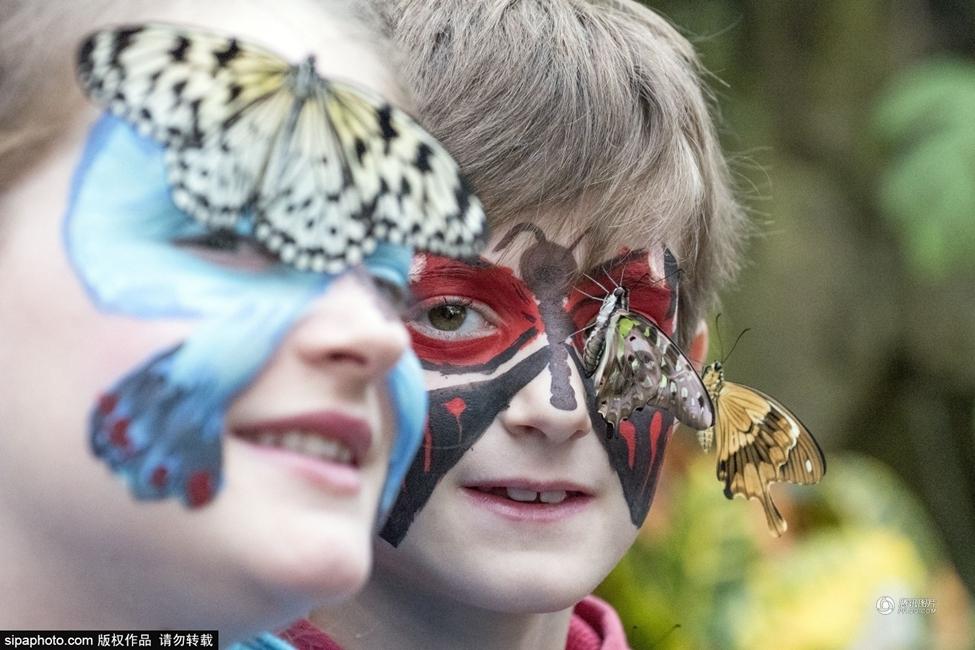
{"points": [[307, 443], [327, 436], [521, 495], [530, 503]]}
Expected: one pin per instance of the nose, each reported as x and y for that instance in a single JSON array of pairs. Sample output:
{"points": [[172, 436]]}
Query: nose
{"points": [[531, 411], [350, 330]]}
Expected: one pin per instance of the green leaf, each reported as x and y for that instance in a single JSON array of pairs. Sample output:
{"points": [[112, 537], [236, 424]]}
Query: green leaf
{"points": [[927, 190]]}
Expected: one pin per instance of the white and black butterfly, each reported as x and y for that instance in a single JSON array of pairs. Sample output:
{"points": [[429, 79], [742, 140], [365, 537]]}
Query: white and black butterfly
{"points": [[327, 169], [634, 364], [759, 442]]}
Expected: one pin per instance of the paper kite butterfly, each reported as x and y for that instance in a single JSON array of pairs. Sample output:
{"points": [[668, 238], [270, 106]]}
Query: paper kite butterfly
{"points": [[326, 169], [759, 442], [634, 364]]}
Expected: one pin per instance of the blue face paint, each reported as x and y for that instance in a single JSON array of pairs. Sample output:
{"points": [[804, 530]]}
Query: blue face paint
{"points": [[161, 425]]}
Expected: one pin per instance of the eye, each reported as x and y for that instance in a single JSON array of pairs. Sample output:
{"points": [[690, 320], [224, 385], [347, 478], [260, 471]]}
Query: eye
{"points": [[228, 249], [448, 317]]}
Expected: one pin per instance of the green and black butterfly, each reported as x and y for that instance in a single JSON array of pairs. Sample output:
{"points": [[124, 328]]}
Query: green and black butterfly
{"points": [[633, 364]]}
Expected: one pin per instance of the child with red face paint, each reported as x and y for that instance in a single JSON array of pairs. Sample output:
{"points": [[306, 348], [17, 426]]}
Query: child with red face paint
{"points": [[584, 128]]}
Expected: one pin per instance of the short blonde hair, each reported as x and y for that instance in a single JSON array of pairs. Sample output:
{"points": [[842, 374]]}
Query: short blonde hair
{"points": [[594, 108]]}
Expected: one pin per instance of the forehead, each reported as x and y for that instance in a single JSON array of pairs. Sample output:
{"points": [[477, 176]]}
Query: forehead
{"points": [[525, 246]]}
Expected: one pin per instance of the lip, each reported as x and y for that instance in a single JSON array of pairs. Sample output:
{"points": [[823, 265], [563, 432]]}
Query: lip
{"points": [[340, 478], [530, 512]]}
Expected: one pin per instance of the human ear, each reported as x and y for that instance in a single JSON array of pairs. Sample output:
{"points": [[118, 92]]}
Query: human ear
{"points": [[697, 351]]}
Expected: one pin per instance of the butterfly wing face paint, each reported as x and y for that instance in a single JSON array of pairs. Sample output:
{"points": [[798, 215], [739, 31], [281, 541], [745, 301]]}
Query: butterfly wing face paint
{"points": [[538, 300], [330, 170], [160, 426]]}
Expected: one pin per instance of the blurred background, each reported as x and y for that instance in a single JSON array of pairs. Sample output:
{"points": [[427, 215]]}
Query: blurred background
{"points": [[852, 128]]}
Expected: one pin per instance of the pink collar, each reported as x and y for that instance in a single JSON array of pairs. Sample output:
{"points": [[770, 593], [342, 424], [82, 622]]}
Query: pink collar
{"points": [[594, 626]]}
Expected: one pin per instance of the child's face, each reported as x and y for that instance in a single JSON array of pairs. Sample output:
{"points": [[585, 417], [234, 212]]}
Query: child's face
{"points": [[512, 421], [287, 529]]}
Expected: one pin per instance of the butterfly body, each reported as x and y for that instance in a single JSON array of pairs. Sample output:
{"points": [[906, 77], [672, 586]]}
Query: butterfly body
{"points": [[634, 364], [759, 442], [324, 169], [595, 341]]}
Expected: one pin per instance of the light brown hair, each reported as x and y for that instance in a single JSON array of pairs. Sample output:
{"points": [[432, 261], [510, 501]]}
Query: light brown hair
{"points": [[591, 109]]}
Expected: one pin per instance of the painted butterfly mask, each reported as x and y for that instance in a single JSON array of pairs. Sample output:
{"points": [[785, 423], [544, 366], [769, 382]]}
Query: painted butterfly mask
{"points": [[321, 174], [161, 426], [327, 169], [760, 442]]}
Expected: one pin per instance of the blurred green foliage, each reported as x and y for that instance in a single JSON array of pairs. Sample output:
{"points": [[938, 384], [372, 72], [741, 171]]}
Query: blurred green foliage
{"points": [[927, 189], [711, 576], [851, 131]]}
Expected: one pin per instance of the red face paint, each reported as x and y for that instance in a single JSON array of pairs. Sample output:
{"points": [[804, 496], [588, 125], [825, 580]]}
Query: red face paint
{"points": [[517, 318], [522, 311], [650, 297]]}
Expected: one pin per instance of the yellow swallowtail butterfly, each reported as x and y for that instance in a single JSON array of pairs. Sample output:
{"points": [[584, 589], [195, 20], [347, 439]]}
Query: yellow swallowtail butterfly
{"points": [[760, 442]]}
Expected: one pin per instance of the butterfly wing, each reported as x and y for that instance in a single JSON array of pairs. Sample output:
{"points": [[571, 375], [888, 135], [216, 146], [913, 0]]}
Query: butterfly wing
{"points": [[213, 101], [312, 211], [640, 367], [761, 442], [176, 85], [331, 169], [217, 180], [356, 171]]}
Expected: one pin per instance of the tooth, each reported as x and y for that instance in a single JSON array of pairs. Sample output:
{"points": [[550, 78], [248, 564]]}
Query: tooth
{"points": [[522, 495], [291, 441], [344, 454], [552, 496], [328, 448], [315, 446]]}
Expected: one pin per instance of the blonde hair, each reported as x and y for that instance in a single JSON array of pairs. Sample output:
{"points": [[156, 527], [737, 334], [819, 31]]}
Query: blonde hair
{"points": [[589, 108]]}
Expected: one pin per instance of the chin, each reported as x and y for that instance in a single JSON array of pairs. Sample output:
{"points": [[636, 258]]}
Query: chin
{"points": [[323, 561], [526, 585]]}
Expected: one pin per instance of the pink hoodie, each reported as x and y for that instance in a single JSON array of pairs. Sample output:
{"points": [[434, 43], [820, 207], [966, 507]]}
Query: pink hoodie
{"points": [[594, 626]]}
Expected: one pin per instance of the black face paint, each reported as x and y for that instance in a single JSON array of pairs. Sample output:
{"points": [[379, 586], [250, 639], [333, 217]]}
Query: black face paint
{"points": [[460, 415], [635, 452], [548, 269]]}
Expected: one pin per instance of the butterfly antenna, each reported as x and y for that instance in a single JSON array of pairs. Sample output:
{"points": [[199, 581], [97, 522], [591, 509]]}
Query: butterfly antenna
{"points": [[666, 634], [606, 273], [581, 329], [717, 330], [649, 276], [586, 294], [597, 283], [735, 344]]}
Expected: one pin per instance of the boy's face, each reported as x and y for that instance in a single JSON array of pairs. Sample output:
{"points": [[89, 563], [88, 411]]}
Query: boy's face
{"points": [[288, 529], [518, 500]]}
